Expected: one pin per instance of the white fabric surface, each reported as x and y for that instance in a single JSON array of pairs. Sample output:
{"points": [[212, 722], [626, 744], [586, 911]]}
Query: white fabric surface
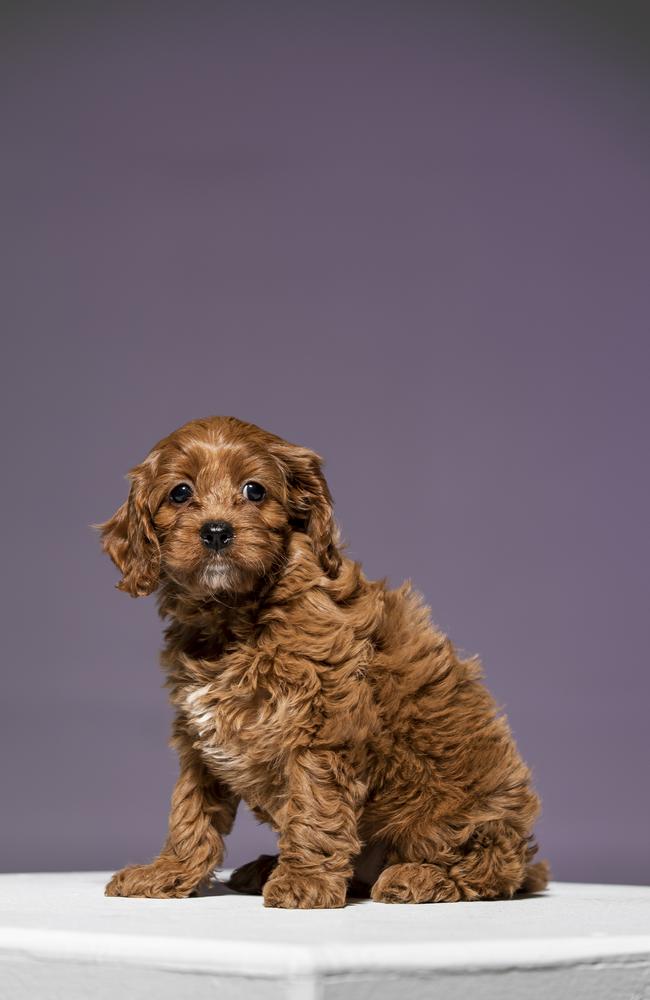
{"points": [[60, 937]]}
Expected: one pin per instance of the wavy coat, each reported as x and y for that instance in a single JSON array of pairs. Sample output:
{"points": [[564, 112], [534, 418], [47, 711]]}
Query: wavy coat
{"points": [[329, 703]]}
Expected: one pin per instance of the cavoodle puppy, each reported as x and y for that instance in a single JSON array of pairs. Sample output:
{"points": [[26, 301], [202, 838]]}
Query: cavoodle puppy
{"points": [[329, 703]]}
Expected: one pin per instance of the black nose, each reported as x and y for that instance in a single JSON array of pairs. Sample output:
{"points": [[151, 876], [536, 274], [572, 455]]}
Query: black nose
{"points": [[216, 534]]}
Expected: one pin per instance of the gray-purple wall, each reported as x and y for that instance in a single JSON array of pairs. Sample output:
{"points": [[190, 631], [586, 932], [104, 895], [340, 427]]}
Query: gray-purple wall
{"points": [[414, 237]]}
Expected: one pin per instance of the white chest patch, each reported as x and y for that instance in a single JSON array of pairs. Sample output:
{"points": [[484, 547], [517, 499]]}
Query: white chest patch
{"points": [[201, 715]]}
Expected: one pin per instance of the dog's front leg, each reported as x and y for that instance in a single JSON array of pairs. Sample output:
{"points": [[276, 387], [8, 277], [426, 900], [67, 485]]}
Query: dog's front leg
{"points": [[318, 832], [202, 811]]}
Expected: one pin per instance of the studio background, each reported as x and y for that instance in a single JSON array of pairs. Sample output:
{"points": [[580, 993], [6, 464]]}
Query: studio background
{"points": [[411, 236]]}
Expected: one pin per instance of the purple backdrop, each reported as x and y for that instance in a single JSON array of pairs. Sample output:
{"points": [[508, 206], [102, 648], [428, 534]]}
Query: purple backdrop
{"points": [[413, 237]]}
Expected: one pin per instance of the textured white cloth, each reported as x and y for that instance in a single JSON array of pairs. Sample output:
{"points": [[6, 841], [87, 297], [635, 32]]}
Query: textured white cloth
{"points": [[60, 937]]}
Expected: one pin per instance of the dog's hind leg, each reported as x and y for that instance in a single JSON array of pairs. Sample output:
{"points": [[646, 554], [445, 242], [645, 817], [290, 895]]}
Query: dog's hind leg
{"points": [[251, 877], [493, 864]]}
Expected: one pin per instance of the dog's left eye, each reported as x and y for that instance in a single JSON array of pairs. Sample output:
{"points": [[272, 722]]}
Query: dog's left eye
{"points": [[180, 493], [253, 491]]}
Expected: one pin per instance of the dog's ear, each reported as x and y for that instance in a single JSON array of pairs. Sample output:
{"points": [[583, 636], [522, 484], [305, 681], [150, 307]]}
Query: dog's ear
{"points": [[310, 502], [129, 536]]}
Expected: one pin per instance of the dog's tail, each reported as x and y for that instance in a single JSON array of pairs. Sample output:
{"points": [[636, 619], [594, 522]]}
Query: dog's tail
{"points": [[537, 874], [536, 877]]}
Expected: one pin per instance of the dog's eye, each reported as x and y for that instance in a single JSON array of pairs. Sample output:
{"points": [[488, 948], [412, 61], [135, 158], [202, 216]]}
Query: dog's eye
{"points": [[254, 492], [180, 493]]}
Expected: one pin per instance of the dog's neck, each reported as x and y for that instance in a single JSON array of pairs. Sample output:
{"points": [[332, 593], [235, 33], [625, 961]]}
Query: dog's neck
{"points": [[207, 623]]}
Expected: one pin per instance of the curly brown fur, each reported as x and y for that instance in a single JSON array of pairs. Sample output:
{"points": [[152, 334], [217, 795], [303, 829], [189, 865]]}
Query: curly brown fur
{"points": [[329, 703]]}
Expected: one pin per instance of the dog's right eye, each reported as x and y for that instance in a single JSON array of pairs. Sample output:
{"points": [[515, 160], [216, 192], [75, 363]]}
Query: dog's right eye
{"points": [[180, 493]]}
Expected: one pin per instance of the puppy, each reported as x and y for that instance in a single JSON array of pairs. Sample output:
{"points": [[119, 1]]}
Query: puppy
{"points": [[329, 703]]}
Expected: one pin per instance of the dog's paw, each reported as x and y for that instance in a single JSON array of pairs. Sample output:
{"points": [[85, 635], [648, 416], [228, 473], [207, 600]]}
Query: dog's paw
{"points": [[414, 883], [290, 890], [157, 881], [251, 877]]}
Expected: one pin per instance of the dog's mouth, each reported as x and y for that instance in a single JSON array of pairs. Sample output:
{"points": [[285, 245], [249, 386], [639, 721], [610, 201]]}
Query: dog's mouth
{"points": [[222, 570], [218, 562], [218, 558]]}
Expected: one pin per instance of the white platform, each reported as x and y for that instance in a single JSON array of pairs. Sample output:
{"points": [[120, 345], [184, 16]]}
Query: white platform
{"points": [[60, 938]]}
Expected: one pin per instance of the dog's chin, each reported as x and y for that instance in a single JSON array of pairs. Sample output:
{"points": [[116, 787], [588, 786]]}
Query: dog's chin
{"points": [[217, 576], [226, 577]]}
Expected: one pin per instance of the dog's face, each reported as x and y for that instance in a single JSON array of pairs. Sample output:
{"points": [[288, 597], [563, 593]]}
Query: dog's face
{"points": [[212, 507]]}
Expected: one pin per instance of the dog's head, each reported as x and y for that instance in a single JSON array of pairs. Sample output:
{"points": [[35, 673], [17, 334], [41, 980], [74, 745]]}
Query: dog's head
{"points": [[212, 508]]}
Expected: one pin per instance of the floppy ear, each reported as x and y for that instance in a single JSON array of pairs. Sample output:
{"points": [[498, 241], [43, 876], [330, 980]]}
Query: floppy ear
{"points": [[310, 503], [129, 537]]}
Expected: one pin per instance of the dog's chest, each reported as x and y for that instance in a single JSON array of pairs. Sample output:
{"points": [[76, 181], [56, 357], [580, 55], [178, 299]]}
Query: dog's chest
{"points": [[240, 734]]}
